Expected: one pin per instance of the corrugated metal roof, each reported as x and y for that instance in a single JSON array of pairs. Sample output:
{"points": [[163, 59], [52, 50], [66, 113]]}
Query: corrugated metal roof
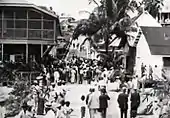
{"points": [[158, 39]]}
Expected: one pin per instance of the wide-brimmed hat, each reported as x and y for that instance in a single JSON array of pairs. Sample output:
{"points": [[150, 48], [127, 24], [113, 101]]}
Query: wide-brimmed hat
{"points": [[39, 77]]}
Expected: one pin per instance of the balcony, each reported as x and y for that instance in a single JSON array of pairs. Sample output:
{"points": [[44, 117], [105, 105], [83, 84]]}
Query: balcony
{"points": [[26, 25]]}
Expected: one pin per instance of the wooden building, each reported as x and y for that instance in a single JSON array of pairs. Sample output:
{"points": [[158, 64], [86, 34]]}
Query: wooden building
{"points": [[26, 30]]}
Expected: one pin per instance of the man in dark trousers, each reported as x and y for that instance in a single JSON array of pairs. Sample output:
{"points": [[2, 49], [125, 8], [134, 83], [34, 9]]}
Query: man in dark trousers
{"points": [[103, 102], [89, 75], [123, 103], [135, 102]]}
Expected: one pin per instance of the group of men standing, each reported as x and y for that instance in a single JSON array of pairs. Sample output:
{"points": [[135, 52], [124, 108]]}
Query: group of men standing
{"points": [[123, 99]]}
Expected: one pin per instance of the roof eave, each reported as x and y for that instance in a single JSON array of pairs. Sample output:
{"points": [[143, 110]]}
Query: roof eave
{"points": [[29, 5]]}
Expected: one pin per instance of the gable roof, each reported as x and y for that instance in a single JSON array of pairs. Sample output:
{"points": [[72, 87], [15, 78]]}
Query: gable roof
{"points": [[145, 19], [158, 39], [24, 3]]}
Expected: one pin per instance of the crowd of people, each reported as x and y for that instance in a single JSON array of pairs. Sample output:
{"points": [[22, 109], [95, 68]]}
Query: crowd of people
{"points": [[47, 97]]}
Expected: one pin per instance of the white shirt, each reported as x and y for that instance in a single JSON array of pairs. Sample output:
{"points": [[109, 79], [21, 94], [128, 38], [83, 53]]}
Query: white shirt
{"points": [[83, 104], [56, 75], [24, 115], [50, 114], [135, 83]]}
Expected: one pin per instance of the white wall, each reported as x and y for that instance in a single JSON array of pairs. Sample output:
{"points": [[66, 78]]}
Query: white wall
{"points": [[144, 56]]}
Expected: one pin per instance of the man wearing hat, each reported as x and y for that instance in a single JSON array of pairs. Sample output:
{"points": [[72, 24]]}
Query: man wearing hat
{"points": [[135, 102], [103, 102], [123, 103], [24, 112]]}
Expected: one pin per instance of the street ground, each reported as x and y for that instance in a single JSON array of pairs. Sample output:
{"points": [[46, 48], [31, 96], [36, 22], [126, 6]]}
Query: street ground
{"points": [[74, 93]]}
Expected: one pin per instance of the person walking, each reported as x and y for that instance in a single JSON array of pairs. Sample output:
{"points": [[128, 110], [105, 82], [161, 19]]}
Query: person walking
{"points": [[93, 104], [123, 103], [91, 90], [103, 102], [135, 102], [83, 107]]}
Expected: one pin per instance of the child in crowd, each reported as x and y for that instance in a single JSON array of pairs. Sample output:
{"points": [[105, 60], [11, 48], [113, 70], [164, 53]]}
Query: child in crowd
{"points": [[83, 106], [67, 109]]}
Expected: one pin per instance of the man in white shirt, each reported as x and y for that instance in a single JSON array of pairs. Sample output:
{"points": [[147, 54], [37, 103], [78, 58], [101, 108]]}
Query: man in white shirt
{"points": [[157, 73], [135, 82], [56, 76], [93, 103]]}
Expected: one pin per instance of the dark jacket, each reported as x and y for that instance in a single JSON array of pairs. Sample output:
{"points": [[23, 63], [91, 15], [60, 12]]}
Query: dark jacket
{"points": [[135, 100], [123, 101], [103, 101]]}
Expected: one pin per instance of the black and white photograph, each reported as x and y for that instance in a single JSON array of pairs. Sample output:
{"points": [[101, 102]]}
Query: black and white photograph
{"points": [[84, 58]]}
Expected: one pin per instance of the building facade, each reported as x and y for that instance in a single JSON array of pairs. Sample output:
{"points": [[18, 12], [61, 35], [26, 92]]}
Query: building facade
{"points": [[26, 31], [164, 15]]}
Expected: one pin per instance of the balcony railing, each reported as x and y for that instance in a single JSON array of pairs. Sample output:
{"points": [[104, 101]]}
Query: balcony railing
{"points": [[21, 33], [27, 29]]}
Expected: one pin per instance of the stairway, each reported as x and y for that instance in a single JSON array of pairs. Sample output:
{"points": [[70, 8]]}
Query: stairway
{"points": [[137, 38]]}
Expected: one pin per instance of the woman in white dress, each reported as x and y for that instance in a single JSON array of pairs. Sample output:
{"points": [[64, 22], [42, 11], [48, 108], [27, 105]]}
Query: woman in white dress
{"points": [[73, 75]]}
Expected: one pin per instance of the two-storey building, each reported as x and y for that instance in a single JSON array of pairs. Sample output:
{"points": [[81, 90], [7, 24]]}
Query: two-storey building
{"points": [[26, 31]]}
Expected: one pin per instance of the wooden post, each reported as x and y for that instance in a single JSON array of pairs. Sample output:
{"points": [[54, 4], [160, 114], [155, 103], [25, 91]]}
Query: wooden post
{"points": [[42, 50], [26, 53], [2, 53], [27, 25], [54, 31], [2, 23]]}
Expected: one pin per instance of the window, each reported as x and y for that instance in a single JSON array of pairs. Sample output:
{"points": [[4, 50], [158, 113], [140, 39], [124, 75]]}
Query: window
{"points": [[20, 33], [34, 25], [48, 25], [34, 33], [21, 14], [166, 61], [8, 24], [48, 34], [47, 17], [9, 33], [20, 24], [8, 14], [34, 15]]}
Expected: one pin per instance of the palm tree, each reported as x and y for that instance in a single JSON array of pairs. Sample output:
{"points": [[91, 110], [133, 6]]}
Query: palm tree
{"points": [[108, 18]]}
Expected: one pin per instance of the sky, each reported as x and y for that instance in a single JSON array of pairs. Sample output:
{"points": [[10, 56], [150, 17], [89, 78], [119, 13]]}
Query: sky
{"points": [[71, 7]]}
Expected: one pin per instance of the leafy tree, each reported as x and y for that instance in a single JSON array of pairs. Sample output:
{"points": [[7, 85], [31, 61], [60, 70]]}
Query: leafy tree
{"points": [[153, 6], [107, 19]]}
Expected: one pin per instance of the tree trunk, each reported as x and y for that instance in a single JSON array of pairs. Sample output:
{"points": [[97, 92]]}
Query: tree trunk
{"points": [[131, 58]]}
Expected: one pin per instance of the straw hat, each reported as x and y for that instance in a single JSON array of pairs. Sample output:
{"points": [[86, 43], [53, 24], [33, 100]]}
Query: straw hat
{"points": [[39, 77]]}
